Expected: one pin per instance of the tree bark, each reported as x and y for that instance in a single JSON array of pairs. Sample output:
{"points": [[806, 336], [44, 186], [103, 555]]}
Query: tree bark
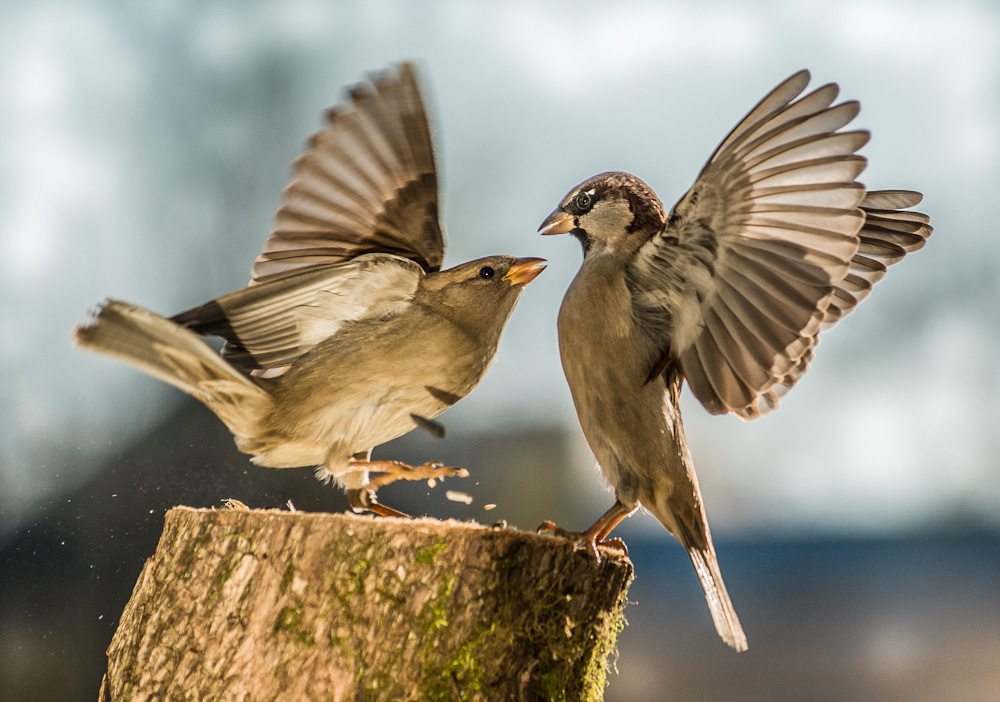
{"points": [[275, 605]]}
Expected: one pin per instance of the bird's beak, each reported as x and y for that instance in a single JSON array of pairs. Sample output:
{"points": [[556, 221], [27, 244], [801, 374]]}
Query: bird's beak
{"points": [[558, 223], [524, 270]]}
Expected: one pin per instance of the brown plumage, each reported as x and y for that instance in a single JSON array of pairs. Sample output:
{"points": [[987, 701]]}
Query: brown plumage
{"points": [[349, 334], [774, 242]]}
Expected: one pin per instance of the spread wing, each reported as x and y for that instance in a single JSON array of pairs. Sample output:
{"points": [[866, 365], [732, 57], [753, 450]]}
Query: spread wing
{"points": [[276, 322], [776, 241], [889, 233], [366, 184]]}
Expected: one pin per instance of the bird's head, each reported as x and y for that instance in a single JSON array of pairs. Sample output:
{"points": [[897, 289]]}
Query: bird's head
{"points": [[611, 211], [481, 294]]}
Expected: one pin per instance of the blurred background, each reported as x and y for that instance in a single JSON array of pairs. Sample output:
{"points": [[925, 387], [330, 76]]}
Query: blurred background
{"points": [[143, 148]]}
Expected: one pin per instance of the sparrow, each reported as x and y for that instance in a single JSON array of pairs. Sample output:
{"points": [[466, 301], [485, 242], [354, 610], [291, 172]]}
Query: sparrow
{"points": [[349, 333], [775, 242]]}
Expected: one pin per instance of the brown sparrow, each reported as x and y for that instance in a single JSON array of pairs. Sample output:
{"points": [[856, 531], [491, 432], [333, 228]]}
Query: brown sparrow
{"points": [[729, 291], [349, 334]]}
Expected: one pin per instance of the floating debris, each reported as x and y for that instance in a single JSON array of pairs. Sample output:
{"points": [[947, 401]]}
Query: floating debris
{"points": [[456, 496]]}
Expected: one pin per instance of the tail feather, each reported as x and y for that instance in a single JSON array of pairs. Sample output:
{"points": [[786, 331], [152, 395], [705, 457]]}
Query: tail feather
{"points": [[177, 356], [723, 613], [686, 521]]}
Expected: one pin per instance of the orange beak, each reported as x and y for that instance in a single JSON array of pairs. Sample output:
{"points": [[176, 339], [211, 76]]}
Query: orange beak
{"points": [[558, 223], [524, 270]]}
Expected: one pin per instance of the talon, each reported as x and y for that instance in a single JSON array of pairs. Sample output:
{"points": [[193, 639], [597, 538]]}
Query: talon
{"points": [[364, 500], [579, 540], [391, 471], [616, 544], [547, 526], [596, 535]]}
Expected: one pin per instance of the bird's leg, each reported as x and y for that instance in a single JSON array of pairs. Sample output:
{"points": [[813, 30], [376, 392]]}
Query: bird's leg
{"points": [[391, 471], [362, 499], [353, 474], [597, 533]]}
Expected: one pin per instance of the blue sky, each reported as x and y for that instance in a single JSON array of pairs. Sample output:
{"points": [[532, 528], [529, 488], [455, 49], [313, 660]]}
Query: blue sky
{"points": [[143, 147]]}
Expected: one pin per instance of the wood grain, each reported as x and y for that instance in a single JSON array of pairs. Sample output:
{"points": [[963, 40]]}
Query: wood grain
{"points": [[274, 605]]}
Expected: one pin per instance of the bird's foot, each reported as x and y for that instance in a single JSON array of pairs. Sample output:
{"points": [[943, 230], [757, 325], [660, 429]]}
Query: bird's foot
{"points": [[363, 499], [596, 535], [391, 471], [382, 473], [588, 540]]}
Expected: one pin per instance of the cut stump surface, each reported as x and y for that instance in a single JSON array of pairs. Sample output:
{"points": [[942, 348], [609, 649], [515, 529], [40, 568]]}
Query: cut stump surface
{"points": [[276, 605]]}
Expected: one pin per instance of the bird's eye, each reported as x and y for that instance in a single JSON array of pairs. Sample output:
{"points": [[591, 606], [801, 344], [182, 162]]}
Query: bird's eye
{"points": [[486, 272], [583, 202]]}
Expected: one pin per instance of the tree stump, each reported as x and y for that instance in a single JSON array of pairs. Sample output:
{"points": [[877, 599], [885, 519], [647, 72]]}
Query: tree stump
{"points": [[276, 605]]}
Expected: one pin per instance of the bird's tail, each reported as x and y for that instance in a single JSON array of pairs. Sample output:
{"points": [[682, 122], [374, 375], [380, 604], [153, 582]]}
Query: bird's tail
{"points": [[697, 541], [173, 354], [706, 565]]}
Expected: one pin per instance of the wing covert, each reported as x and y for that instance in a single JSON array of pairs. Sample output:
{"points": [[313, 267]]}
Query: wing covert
{"points": [[276, 322]]}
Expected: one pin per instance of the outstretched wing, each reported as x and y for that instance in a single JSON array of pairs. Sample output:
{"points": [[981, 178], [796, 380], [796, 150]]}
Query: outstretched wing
{"points": [[775, 247], [366, 184], [889, 233], [276, 322]]}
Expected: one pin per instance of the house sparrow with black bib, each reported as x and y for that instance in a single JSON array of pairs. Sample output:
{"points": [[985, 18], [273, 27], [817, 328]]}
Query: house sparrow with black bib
{"points": [[349, 334], [775, 242]]}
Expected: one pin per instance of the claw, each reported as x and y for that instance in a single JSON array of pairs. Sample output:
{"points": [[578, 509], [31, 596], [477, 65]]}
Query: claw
{"points": [[596, 534], [363, 499], [547, 526], [581, 539], [616, 544], [391, 471]]}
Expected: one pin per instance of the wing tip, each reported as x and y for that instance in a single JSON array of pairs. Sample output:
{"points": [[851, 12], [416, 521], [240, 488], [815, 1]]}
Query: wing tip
{"points": [[799, 78]]}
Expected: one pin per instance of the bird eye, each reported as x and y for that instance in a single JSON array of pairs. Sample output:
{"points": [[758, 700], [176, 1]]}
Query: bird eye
{"points": [[583, 202], [486, 272]]}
